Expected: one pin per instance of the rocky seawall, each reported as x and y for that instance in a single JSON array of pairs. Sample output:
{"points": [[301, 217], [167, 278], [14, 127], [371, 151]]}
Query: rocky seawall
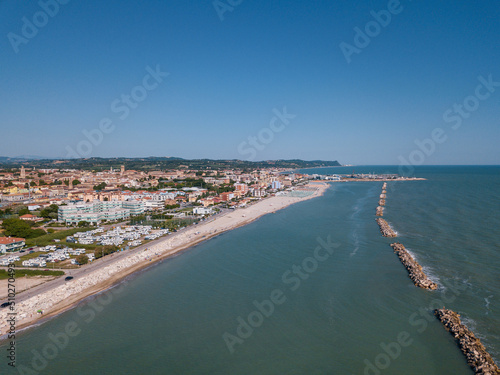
{"points": [[414, 269], [385, 228], [475, 352], [380, 211], [381, 201]]}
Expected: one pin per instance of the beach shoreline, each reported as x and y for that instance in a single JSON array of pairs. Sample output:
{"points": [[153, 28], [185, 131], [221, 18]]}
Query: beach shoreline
{"points": [[67, 296]]}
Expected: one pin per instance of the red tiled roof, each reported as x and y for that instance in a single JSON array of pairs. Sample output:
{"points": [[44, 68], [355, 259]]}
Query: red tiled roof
{"points": [[9, 240]]}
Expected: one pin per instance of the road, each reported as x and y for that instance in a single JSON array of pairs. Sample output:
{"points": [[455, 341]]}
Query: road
{"points": [[100, 263]]}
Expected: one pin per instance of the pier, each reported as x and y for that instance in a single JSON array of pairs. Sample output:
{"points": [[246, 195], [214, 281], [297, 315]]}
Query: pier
{"points": [[385, 228], [414, 269], [475, 352]]}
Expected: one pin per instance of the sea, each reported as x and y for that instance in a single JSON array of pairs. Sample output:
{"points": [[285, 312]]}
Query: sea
{"points": [[311, 289]]}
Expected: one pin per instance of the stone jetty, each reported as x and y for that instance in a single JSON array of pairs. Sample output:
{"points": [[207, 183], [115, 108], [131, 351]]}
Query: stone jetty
{"points": [[414, 269], [380, 211], [381, 201], [385, 228], [475, 352]]}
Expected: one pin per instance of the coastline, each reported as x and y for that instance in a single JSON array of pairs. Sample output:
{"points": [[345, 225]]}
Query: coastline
{"points": [[67, 296]]}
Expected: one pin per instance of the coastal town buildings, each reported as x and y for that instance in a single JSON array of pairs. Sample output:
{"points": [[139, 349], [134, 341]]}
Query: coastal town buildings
{"points": [[8, 244], [120, 193], [97, 212]]}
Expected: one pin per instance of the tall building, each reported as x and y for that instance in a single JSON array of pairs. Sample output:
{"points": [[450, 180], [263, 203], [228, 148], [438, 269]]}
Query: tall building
{"points": [[122, 169], [241, 187], [23, 172], [97, 211]]}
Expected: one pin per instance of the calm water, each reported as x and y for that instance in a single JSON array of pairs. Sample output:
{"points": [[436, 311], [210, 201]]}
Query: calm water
{"points": [[342, 312]]}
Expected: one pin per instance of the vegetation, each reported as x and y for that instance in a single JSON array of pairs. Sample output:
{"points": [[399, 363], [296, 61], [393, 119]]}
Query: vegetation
{"points": [[162, 163], [50, 212], [20, 228], [102, 251], [82, 259], [48, 239], [23, 272], [100, 186], [164, 222], [172, 206], [6, 212], [23, 211]]}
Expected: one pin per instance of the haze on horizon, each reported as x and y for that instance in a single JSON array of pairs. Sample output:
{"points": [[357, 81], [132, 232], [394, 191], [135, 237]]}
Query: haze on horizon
{"points": [[371, 82]]}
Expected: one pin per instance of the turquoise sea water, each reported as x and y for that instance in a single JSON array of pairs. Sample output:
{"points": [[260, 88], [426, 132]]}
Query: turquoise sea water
{"points": [[349, 309]]}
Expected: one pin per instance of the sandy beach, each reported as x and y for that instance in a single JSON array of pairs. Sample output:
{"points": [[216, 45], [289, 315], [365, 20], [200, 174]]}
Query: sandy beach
{"points": [[64, 296]]}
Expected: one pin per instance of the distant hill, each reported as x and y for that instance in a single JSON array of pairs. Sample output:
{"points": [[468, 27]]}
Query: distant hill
{"points": [[159, 163]]}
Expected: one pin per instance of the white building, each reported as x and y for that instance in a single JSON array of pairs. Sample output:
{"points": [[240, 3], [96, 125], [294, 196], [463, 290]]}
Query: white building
{"points": [[10, 244], [202, 210], [98, 211]]}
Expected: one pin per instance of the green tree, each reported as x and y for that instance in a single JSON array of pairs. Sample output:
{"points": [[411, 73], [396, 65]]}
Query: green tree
{"points": [[20, 228], [105, 250], [100, 186], [50, 212], [82, 259], [23, 211], [172, 206], [76, 182]]}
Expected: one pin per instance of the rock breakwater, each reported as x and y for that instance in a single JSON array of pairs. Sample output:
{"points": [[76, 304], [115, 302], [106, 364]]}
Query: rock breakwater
{"points": [[475, 352], [414, 269], [385, 228]]}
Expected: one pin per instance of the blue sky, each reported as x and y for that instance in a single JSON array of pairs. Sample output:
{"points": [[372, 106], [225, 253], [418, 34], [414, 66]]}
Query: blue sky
{"points": [[228, 77]]}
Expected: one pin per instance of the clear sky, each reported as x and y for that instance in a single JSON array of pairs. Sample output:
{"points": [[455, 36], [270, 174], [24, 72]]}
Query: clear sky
{"points": [[348, 83]]}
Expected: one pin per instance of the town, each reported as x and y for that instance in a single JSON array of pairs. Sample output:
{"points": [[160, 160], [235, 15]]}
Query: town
{"points": [[65, 218]]}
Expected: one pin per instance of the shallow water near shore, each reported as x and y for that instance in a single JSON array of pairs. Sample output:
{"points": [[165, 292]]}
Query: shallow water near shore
{"points": [[343, 312]]}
